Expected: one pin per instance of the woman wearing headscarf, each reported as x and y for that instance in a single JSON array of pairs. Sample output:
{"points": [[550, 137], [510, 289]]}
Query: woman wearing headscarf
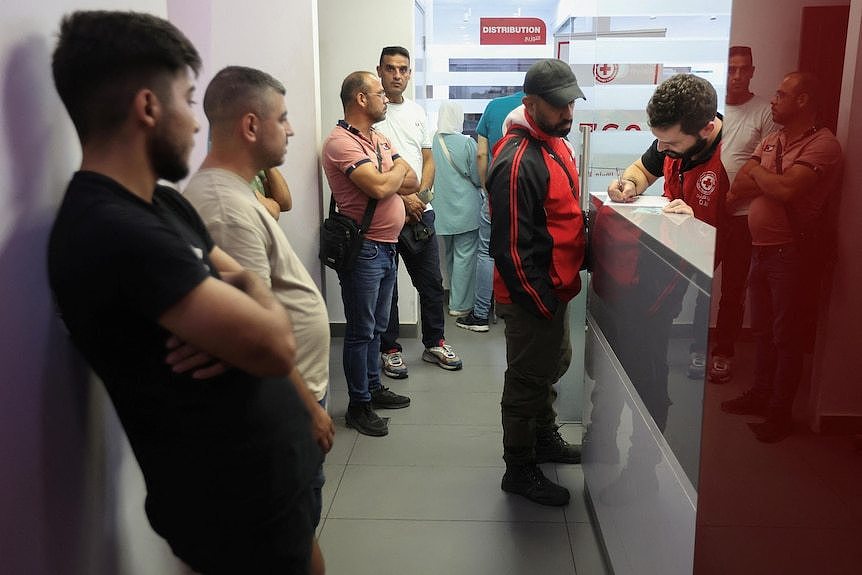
{"points": [[457, 203]]}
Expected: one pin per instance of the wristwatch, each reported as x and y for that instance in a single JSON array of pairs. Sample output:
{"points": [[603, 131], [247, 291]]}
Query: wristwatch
{"points": [[426, 195]]}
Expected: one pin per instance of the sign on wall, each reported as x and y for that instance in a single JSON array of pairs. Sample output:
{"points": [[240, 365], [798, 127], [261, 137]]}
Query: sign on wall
{"points": [[512, 31]]}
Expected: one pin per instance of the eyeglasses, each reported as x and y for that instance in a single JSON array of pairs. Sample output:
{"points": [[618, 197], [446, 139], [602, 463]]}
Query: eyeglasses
{"points": [[381, 94]]}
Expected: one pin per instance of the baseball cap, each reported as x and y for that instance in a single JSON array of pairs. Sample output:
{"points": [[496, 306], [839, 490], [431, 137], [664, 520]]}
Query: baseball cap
{"points": [[554, 81]]}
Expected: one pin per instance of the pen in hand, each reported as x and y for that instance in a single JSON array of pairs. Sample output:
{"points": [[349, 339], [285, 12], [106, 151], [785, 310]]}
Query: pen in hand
{"points": [[621, 187]]}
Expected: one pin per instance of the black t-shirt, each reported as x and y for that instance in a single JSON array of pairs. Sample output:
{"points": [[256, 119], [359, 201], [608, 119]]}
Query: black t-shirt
{"points": [[222, 453]]}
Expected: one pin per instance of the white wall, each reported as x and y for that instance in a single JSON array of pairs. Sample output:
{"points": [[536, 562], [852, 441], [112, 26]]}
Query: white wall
{"points": [[58, 440], [281, 39], [351, 35], [836, 390], [775, 46], [72, 495]]}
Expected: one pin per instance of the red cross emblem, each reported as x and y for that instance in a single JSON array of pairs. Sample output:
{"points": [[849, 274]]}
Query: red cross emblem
{"points": [[707, 182], [605, 73]]}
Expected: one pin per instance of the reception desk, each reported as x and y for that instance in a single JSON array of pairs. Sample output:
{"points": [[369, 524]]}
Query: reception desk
{"points": [[647, 305]]}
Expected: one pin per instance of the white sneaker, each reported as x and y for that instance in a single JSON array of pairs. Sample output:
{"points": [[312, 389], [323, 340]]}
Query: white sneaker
{"points": [[443, 355], [393, 365], [696, 365], [720, 369]]}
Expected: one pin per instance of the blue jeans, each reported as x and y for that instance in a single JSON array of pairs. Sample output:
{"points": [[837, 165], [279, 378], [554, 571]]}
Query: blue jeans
{"points": [[772, 286], [733, 252], [484, 264], [424, 270], [366, 292], [735, 263]]}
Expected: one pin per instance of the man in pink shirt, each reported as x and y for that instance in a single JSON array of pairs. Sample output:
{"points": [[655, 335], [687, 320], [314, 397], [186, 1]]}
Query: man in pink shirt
{"points": [[791, 176], [361, 165]]}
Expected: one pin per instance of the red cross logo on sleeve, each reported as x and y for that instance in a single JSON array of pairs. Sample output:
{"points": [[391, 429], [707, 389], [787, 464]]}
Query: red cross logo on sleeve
{"points": [[707, 182]]}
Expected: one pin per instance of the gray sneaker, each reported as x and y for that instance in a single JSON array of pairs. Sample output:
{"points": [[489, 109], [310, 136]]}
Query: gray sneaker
{"points": [[443, 355], [696, 365], [393, 364]]}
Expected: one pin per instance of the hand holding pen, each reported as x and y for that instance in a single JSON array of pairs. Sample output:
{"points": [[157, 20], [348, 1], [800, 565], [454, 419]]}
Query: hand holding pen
{"points": [[622, 190]]}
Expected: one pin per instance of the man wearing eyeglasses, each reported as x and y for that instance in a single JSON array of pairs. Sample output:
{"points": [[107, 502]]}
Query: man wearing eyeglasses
{"points": [[789, 180], [362, 165], [406, 126]]}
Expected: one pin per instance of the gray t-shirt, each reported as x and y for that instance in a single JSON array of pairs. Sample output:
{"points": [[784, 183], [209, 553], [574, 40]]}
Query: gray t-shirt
{"points": [[242, 227]]}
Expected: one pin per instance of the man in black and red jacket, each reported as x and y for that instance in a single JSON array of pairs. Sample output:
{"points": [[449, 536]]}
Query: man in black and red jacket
{"points": [[687, 152], [537, 243]]}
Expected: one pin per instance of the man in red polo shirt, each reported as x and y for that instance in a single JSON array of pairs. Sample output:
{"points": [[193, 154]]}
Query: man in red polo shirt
{"points": [[362, 165], [789, 179]]}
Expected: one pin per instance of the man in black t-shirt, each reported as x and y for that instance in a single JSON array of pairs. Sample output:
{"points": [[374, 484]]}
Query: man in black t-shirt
{"points": [[192, 349]]}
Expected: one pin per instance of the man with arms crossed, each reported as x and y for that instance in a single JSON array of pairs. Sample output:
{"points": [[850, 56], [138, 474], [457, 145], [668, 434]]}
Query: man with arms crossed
{"points": [[789, 179], [361, 164], [537, 242], [249, 131], [747, 120], [193, 350], [405, 126]]}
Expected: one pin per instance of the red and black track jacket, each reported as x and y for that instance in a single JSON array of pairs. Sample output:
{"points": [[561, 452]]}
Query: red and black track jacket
{"points": [[537, 227]]}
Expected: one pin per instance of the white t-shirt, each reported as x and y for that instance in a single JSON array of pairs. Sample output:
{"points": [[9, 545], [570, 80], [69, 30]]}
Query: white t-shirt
{"points": [[242, 227], [406, 126], [744, 126]]}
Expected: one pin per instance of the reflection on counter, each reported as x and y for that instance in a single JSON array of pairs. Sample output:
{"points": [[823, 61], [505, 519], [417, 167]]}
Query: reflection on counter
{"points": [[643, 414], [636, 293]]}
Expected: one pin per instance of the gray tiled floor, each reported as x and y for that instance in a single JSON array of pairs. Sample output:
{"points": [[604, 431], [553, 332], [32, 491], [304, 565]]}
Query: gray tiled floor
{"points": [[426, 499]]}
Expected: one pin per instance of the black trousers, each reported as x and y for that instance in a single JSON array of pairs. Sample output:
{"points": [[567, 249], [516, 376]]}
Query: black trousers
{"points": [[538, 353]]}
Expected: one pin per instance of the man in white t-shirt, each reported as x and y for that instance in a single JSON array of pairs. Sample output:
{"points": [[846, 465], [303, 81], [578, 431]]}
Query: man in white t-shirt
{"points": [[406, 127], [747, 120]]}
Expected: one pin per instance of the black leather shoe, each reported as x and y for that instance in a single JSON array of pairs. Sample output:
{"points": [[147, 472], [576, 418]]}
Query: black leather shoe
{"points": [[362, 418], [529, 481], [384, 398], [551, 447], [772, 431], [752, 402]]}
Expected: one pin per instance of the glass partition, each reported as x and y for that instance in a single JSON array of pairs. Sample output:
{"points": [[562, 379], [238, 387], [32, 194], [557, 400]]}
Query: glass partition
{"points": [[648, 298], [641, 278]]}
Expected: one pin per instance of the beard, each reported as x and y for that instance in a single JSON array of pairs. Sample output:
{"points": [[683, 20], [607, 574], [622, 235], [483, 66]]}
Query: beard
{"points": [[170, 160], [270, 158], [560, 130], [695, 149], [380, 116]]}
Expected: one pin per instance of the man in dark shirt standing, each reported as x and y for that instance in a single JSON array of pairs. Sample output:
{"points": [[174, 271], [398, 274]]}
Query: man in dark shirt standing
{"points": [[192, 349]]}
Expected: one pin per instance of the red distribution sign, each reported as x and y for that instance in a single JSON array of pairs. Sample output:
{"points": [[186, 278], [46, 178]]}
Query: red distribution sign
{"points": [[512, 31]]}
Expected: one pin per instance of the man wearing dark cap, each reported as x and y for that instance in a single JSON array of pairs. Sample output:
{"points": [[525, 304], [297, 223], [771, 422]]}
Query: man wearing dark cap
{"points": [[537, 243]]}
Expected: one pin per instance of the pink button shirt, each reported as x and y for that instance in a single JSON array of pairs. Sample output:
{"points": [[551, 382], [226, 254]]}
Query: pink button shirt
{"points": [[344, 151]]}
